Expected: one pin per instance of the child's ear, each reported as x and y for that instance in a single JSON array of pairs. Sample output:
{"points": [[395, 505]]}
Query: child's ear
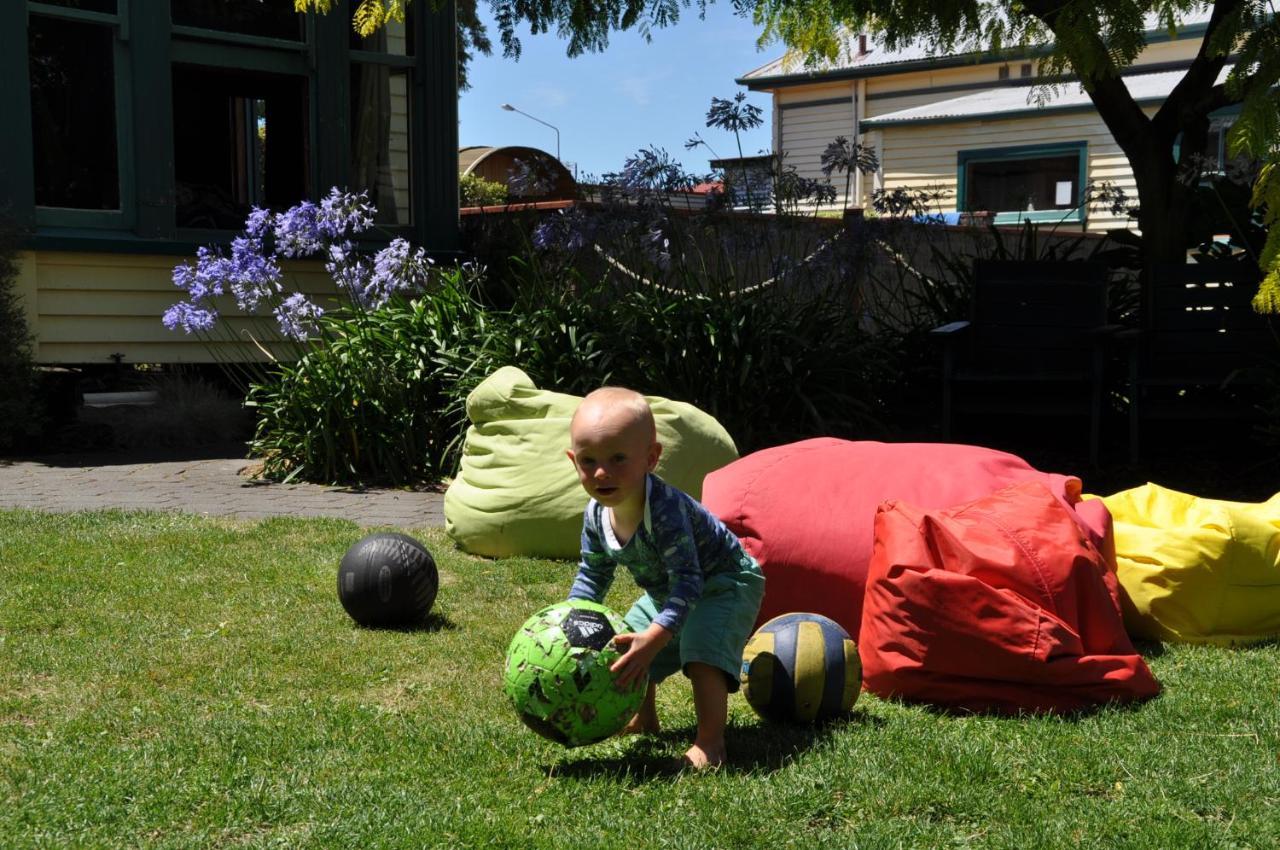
{"points": [[569, 454], [655, 452]]}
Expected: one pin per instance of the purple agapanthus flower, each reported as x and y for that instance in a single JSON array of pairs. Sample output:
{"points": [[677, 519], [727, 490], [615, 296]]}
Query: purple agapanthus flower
{"points": [[297, 231], [349, 270], [297, 316], [209, 276], [184, 277], [570, 230], [546, 236], [396, 268], [254, 276], [344, 214], [353, 277], [189, 317], [258, 223]]}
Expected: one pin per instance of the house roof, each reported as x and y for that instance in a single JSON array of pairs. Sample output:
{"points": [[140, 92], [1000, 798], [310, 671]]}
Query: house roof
{"points": [[851, 63], [1010, 101]]}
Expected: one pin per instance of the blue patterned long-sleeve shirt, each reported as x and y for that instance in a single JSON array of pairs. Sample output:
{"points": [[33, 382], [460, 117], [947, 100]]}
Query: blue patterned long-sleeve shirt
{"points": [[676, 548]]}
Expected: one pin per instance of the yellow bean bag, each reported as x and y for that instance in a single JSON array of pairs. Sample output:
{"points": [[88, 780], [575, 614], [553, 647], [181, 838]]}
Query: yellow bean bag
{"points": [[517, 492], [1197, 570]]}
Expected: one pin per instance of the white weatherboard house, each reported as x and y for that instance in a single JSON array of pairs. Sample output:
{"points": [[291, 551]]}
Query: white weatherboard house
{"points": [[971, 124]]}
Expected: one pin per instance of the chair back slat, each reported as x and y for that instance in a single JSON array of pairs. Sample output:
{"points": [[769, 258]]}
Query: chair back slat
{"points": [[1201, 322], [1032, 316]]}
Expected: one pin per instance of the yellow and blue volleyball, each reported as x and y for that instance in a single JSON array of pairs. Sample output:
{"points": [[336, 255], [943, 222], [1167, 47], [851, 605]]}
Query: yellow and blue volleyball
{"points": [[801, 668]]}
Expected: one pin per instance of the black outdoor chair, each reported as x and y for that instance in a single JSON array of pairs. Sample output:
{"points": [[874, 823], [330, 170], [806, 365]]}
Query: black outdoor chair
{"points": [[1202, 353], [1035, 345]]}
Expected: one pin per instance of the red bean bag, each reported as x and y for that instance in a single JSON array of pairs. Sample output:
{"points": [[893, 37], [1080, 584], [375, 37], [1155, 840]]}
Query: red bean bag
{"points": [[806, 510], [999, 605]]}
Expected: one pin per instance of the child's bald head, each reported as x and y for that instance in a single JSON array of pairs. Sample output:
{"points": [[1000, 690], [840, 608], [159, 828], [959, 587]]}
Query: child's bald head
{"points": [[614, 445], [615, 410]]}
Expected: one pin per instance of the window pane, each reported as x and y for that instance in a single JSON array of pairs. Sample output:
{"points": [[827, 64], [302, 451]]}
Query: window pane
{"points": [[395, 38], [108, 6], [73, 114], [380, 139], [1215, 149], [273, 18], [1023, 185], [240, 139]]}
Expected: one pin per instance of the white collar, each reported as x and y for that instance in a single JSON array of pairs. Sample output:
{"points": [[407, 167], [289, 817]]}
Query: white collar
{"points": [[607, 516]]}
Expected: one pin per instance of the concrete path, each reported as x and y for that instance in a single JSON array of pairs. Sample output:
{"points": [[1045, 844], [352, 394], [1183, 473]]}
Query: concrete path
{"points": [[210, 483]]}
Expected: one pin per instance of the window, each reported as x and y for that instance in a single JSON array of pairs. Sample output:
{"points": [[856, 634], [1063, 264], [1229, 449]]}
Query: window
{"points": [[395, 38], [1217, 159], [239, 140], [1037, 182], [273, 18], [105, 6], [154, 120], [73, 112], [381, 121]]}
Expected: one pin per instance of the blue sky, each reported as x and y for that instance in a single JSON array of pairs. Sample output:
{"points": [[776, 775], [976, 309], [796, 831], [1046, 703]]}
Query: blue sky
{"points": [[633, 95]]}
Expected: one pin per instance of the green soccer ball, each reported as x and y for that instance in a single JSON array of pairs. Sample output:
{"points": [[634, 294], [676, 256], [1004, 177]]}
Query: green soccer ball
{"points": [[558, 678]]}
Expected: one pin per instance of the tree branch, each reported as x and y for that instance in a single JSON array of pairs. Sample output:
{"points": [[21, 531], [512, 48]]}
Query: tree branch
{"points": [[1119, 111], [1197, 85]]}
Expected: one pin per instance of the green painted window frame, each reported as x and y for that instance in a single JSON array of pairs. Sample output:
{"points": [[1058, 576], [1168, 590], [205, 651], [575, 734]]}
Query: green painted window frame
{"points": [[125, 217], [1233, 111], [146, 46], [222, 36], [223, 49], [1022, 152], [412, 65]]}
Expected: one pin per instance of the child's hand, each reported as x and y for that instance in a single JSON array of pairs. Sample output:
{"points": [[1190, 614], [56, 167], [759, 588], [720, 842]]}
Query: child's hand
{"points": [[638, 651]]}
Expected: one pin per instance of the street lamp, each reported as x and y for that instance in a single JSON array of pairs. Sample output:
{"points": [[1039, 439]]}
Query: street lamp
{"points": [[511, 108]]}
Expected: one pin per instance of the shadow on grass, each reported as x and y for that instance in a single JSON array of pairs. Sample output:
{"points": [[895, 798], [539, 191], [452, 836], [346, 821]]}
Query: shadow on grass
{"points": [[1149, 648], [433, 623], [760, 748], [997, 713]]}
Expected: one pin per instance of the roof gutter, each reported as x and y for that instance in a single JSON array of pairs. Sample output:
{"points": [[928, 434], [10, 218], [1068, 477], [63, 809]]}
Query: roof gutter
{"points": [[804, 78]]}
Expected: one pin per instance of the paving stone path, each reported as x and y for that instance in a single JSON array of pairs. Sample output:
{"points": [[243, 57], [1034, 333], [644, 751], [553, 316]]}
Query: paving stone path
{"points": [[211, 484]]}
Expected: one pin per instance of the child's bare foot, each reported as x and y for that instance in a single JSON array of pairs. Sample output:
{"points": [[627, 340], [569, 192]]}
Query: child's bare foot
{"points": [[646, 720], [641, 725], [701, 758]]}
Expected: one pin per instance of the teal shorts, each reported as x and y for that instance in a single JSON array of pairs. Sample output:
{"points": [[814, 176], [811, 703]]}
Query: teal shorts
{"points": [[717, 628]]}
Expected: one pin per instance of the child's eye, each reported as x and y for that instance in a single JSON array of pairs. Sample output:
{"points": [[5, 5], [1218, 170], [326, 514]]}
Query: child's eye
{"points": [[619, 458]]}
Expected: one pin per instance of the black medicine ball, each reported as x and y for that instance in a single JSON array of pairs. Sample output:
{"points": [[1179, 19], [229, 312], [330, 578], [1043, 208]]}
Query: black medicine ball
{"points": [[387, 579]]}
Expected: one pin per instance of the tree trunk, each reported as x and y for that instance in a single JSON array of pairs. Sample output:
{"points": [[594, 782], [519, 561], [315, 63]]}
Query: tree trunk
{"points": [[1163, 214]]}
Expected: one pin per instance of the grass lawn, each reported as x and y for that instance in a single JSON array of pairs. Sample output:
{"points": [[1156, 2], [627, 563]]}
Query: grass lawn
{"points": [[173, 681]]}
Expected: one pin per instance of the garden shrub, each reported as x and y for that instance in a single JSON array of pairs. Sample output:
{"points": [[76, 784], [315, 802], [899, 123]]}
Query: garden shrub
{"points": [[380, 396], [770, 365], [477, 191], [19, 407], [780, 326]]}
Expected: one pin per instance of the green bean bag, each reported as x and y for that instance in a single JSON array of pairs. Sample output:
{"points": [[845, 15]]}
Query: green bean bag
{"points": [[1197, 570], [517, 492]]}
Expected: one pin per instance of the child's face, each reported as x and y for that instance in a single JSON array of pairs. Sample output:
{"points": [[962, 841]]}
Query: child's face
{"points": [[612, 455]]}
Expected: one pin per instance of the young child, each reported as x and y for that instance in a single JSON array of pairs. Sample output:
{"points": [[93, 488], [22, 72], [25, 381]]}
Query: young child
{"points": [[702, 591]]}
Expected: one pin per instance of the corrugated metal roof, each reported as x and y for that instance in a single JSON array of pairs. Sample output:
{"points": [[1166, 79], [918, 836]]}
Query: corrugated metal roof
{"points": [[877, 56], [1003, 100]]}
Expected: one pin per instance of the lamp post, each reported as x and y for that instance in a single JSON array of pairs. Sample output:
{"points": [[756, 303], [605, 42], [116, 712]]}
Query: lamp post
{"points": [[511, 108]]}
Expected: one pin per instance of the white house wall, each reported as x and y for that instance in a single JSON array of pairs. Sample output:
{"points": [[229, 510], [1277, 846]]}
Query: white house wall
{"points": [[810, 117], [920, 157], [807, 130]]}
